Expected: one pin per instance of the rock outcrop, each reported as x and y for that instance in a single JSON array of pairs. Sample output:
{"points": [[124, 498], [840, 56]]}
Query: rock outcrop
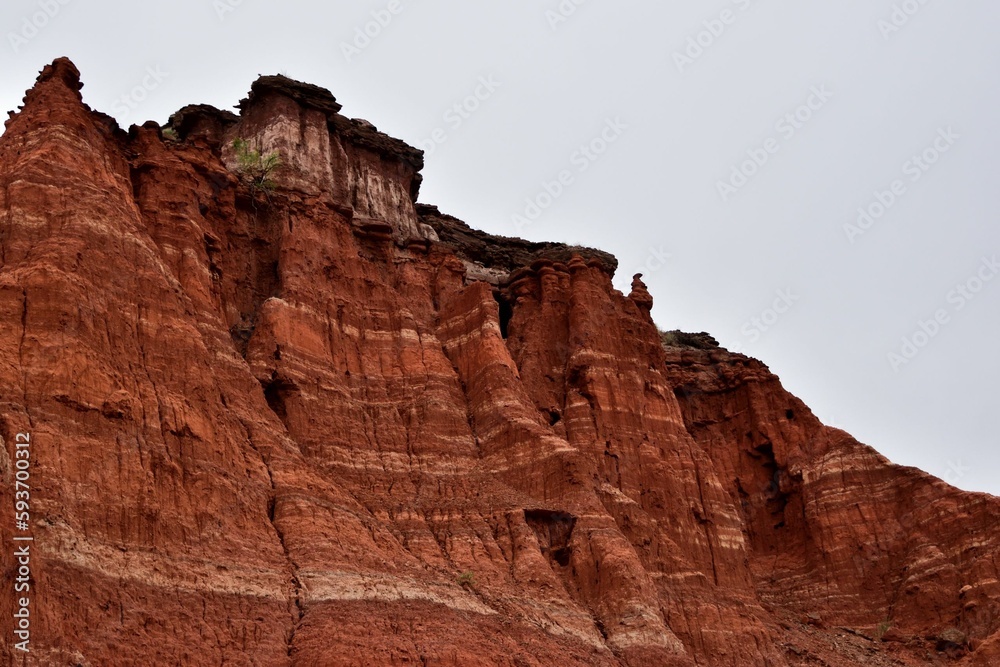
{"points": [[326, 425]]}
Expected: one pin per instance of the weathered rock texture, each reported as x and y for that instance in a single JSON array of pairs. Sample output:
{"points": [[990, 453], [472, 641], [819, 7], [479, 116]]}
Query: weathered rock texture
{"points": [[329, 426]]}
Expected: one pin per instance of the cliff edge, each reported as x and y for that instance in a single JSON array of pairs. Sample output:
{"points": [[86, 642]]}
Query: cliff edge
{"points": [[319, 423]]}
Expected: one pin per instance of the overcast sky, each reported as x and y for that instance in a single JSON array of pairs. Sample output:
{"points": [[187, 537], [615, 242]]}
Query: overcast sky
{"points": [[726, 149]]}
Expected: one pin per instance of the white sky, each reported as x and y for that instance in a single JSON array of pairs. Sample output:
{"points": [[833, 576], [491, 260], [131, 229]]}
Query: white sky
{"points": [[886, 95]]}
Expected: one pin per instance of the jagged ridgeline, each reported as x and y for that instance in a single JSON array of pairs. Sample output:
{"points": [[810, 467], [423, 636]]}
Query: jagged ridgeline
{"points": [[282, 414]]}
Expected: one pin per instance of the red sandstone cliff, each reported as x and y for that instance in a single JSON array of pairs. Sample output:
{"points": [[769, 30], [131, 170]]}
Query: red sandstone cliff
{"points": [[329, 426]]}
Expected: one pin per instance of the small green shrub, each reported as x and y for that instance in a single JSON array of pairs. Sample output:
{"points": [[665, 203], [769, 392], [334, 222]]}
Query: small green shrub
{"points": [[467, 579], [882, 628], [255, 169], [170, 134]]}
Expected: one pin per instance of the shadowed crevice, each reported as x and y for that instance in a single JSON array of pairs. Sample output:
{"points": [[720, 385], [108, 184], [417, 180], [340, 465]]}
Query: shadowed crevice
{"points": [[554, 530]]}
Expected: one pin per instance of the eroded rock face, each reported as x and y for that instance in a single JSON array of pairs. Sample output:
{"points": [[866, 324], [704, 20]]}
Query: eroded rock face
{"points": [[330, 426]]}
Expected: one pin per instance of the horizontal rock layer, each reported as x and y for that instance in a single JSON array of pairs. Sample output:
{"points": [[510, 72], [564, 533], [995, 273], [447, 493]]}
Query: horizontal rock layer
{"points": [[322, 424]]}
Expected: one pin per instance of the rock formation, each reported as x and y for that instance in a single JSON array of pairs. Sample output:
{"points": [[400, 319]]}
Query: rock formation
{"points": [[327, 425]]}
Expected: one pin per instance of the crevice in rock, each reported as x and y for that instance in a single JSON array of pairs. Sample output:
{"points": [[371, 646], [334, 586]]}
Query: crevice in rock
{"points": [[777, 500], [277, 391], [554, 530], [600, 628], [257, 271], [506, 313], [241, 333], [212, 251], [137, 174], [272, 506], [275, 398], [576, 379]]}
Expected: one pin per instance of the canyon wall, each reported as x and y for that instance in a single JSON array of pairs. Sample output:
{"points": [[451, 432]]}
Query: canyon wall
{"points": [[323, 424]]}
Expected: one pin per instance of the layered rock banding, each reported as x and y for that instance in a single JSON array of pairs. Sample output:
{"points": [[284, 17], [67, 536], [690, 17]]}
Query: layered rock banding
{"points": [[332, 426]]}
